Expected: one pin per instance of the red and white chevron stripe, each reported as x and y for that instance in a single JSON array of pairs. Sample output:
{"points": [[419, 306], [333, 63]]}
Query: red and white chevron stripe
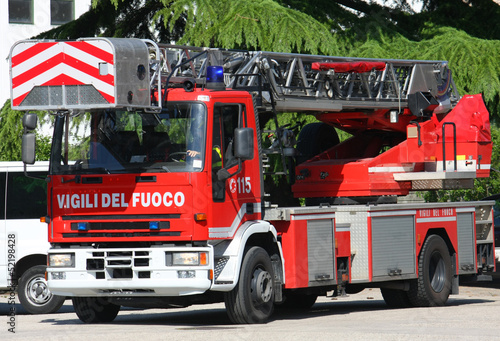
{"points": [[61, 63]]}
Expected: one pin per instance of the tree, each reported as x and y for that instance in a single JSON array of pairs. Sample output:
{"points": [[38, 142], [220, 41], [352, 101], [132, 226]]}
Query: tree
{"points": [[478, 18], [470, 16], [11, 131], [258, 24]]}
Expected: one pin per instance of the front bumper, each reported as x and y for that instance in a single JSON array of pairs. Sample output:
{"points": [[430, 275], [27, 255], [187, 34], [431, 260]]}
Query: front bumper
{"points": [[121, 272]]}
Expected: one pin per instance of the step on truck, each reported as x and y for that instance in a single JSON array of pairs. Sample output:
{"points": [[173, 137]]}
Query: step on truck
{"points": [[158, 186]]}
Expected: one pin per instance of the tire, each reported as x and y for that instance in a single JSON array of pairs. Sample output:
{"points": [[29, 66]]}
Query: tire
{"points": [[252, 300], [34, 294], [95, 309], [396, 298], [433, 286]]}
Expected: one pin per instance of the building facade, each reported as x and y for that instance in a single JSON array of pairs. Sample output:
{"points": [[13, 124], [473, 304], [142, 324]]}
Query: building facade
{"points": [[24, 19]]}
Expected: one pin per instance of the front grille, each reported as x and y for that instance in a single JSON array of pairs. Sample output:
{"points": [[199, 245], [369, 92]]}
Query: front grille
{"points": [[121, 217], [122, 273], [138, 225], [119, 253], [120, 234], [99, 226], [141, 262], [119, 264], [95, 264]]}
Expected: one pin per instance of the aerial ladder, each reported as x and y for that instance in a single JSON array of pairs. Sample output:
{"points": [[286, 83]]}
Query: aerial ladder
{"points": [[406, 104]]}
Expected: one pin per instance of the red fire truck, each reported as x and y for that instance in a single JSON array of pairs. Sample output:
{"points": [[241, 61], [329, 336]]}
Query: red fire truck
{"points": [[157, 188]]}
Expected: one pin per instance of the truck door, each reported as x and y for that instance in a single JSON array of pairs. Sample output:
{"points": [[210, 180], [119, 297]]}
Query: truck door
{"points": [[232, 199]]}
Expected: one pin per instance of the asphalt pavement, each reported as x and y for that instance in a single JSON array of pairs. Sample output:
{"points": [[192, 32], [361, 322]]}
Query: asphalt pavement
{"points": [[474, 314]]}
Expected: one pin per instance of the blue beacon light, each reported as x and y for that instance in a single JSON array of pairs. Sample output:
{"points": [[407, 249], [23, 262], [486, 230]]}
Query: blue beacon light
{"points": [[215, 77]]}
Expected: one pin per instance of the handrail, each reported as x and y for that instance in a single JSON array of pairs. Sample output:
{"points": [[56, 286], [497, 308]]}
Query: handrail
{"points": [[454, 144]]}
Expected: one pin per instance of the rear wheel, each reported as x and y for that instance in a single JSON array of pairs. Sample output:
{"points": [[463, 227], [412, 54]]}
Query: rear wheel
{"points": [[95, 309], [34, 294], [433, 286], [252, 300]]}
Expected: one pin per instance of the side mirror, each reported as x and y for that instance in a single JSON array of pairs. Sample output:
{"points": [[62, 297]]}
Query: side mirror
{"points": [[28, 148], [243, 150], [30, 121], [243, 143], [28, 142]]}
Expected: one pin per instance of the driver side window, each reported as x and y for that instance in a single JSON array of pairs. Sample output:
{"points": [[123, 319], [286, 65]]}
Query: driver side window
{"points": [[227, 117]]}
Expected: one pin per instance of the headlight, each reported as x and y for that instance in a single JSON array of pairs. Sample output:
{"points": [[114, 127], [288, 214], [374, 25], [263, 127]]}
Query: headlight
{"points": [[186, 258], [62, 260]]}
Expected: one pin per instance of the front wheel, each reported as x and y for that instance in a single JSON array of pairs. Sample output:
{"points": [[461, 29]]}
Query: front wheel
{"points": [[252, 300], [95, 309], [34, 294], [433, 286]]}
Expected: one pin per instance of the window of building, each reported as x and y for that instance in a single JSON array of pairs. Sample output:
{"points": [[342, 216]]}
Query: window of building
{"points": [[21, 11], [61, 11]]}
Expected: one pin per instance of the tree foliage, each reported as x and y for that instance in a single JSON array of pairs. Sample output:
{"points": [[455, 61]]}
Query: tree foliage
{"points": [[478, 18], [11, 131], [259, 24]]}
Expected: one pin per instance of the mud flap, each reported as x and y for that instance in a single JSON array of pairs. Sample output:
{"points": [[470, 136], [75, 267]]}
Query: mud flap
{"points": [[454, 279], [278, 280]]}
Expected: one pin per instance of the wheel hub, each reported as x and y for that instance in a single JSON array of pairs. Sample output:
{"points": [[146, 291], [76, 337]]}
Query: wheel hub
{"points": [[437, 272], [37, 291], [262, 286]]}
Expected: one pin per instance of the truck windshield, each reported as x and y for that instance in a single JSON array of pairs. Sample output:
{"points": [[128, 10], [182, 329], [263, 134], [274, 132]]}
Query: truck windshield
{"points": [[131, 141]]}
